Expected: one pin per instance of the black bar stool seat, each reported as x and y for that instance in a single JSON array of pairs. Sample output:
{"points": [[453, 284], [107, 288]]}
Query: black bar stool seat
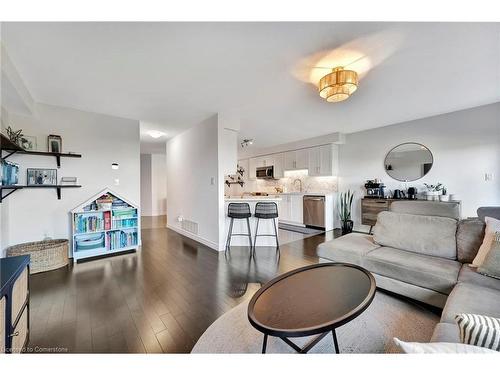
{"points": [[266, 210], [238, 211]]}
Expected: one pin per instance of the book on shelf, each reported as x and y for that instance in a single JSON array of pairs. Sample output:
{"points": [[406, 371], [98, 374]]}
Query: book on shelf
{"points": [[120, 239], [107, 220], [125, 223], [88, 223]]}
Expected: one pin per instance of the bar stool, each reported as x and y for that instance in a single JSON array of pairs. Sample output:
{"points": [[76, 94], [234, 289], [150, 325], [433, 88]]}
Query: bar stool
{"points": [[266, 210], [238, 211]]}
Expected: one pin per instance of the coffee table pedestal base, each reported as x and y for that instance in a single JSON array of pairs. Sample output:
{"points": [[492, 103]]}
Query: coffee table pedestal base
{"points": [[306, 347]]}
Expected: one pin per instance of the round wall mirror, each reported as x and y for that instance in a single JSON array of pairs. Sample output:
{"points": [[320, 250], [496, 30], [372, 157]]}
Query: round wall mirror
{"points": [[408, 161]]}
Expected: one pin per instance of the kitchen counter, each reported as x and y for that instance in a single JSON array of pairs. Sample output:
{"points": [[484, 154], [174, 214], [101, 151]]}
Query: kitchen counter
{"points": [[264, 198], [308, 193]]}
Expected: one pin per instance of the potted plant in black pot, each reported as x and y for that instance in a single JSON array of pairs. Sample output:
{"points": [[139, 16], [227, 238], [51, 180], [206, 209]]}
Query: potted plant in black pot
{"points": [[345, 203]]}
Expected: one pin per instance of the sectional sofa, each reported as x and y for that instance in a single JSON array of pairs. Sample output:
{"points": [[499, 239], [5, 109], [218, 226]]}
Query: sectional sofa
{"points": [[422, 250]]}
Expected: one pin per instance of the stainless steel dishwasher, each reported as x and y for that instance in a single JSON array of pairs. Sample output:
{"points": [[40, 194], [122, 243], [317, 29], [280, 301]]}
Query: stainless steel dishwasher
{"points": [[314, 211]]}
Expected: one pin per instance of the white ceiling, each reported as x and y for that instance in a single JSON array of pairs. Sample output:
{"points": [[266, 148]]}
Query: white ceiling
{"points": [[173, 75]]}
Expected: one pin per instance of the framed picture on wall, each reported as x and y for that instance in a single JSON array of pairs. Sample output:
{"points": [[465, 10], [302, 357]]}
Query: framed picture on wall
{"points": [[28, 142], [41, 176], [55, 143]]}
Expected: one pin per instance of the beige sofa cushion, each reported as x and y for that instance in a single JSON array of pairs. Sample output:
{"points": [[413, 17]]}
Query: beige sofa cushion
{"points": [[350, 248], [471, 299], [470, 234], [468, 274], [438, 274], [429, 235], [427, 208]]}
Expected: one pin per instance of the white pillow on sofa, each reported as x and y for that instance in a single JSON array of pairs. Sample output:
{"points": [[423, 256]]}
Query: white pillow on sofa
{"points": [[492, 226], [440, 348]]}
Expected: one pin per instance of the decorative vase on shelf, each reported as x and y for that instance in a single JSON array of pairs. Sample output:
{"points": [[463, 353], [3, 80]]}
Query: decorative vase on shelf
{"points": [[347, 226], [432, 195]]}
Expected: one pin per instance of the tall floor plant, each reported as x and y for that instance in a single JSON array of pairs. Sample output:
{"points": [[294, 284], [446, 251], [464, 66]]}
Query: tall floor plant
{"points": [[345, 204]]}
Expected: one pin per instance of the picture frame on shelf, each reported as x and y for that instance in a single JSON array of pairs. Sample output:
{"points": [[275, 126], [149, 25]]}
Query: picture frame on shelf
{"points": [[28, 142], [54, 143], [41, 176]]}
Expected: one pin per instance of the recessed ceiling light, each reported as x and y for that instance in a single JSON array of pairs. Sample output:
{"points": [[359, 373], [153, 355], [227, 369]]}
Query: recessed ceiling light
{"points": [[156, 133]]}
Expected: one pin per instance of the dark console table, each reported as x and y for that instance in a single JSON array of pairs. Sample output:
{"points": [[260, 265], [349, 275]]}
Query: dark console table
{"points": [[14, 303]]}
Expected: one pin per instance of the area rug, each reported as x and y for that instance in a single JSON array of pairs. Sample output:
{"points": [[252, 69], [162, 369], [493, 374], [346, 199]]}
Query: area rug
{"points": [[371, 332]]}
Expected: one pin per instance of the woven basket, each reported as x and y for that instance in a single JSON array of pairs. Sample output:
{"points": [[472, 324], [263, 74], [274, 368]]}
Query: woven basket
{"points": [[44, 255]]}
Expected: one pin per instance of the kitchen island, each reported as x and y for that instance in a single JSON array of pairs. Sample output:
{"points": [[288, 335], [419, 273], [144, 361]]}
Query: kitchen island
{"points": [[240, 225]]}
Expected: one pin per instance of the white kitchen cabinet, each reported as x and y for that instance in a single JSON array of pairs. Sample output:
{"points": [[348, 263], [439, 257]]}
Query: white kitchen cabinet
{"points": [[252, 166], [297, 159], [326, 160], [284, 208], [289, 158], [323, 160], [302, 158], [266, 161], [314, 162], [279, 164], [296, 208]]}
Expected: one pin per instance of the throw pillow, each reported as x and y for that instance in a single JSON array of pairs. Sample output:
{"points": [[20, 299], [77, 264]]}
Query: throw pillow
{"points": [[491, 264], [492, 226], [479, 330], [440, 348]]}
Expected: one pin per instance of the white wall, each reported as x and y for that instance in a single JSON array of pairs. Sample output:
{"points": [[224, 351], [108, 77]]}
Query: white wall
{"points": [[465, 145], [197, 161], [158, 185], [146, 188], [193, 181], [102, 140]]}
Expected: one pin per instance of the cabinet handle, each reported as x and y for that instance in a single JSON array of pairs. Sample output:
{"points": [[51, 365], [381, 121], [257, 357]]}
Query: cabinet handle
{"points": [[14, 334]]}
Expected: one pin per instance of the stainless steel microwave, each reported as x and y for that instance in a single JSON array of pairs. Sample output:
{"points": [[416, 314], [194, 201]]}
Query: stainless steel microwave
{"points": [[265, 172]]}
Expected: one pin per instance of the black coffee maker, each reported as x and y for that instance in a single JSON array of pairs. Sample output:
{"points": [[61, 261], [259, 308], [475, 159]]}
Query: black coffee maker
{"points": [[374, 189], [412, 193]]}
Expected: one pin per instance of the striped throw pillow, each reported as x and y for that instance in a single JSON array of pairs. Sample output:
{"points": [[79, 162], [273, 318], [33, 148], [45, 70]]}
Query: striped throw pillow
{"points": [[479, 330]]}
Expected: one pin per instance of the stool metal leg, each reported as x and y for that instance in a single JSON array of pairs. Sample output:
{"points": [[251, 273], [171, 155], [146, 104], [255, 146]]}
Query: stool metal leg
{"points": [[249, 234], [230, 231], [255, 237], [276, 234]]}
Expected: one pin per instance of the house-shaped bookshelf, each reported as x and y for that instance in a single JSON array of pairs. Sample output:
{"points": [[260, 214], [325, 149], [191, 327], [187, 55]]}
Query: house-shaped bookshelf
{"points": [[105, 224]]}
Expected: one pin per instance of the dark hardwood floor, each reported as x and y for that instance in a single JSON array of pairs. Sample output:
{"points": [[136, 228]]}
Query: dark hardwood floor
{"points": [[160, 299]]}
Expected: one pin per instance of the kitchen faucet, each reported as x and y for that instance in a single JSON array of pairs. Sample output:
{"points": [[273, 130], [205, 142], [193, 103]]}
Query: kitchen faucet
{"points": [[300, 183]]}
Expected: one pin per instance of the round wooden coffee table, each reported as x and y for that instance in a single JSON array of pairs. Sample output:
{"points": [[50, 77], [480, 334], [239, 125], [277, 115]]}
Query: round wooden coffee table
{"points": [[312, 300]]}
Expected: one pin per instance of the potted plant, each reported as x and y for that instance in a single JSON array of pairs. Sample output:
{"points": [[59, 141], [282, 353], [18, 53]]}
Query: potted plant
{"points": [[444, 197], [434, 191], [345, 203]]}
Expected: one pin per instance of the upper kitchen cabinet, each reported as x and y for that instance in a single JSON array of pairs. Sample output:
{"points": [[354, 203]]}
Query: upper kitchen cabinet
{"points": [[297, 159], [323, 160], [279, 165]]}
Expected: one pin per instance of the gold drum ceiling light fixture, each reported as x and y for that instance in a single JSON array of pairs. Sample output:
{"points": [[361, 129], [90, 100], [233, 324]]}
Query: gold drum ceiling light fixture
{"points": [[338, 85]]}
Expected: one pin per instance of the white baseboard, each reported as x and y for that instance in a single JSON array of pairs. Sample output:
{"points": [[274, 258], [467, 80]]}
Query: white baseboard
{"points": [[195, 237]]}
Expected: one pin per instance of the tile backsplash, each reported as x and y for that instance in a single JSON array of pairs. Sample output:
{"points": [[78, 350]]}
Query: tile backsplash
{"points": [[309, 184]]}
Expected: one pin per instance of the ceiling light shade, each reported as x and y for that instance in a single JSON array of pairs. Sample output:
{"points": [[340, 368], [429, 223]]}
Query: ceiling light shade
{"points": [[338, 85]]}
